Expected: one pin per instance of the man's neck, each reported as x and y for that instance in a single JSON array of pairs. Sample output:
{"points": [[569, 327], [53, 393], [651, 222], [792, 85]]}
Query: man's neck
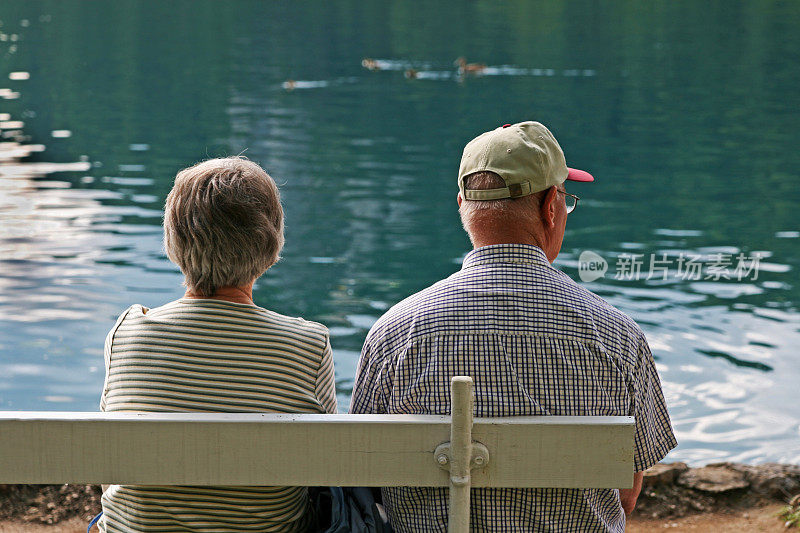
{"points": [[530, 238], [479, 241]]}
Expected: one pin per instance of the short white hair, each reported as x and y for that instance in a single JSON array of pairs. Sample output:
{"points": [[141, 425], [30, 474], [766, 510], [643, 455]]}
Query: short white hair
{"points": [[475, 213]]}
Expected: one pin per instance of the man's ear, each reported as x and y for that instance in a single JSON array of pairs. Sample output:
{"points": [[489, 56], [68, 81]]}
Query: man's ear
{"points": [[458, 198], [548, 209]]}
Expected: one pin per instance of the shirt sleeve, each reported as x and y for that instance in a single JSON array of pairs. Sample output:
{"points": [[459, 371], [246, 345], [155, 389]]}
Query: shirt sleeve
{"points": [[370, 386], [326, 383], [107, 356], [654, 437]]}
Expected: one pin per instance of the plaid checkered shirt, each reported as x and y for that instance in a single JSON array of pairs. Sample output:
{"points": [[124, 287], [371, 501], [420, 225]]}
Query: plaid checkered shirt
{"points": [[535, 343]]}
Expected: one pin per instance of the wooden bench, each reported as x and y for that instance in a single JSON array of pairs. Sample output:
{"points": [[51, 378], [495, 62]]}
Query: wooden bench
{"points": [[455, 451]]}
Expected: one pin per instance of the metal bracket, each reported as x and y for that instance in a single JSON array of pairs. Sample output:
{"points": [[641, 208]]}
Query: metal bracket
{"points": [[479, 458]]}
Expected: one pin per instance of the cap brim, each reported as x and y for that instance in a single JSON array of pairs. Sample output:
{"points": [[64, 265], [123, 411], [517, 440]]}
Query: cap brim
{"points": [[579, 175]]}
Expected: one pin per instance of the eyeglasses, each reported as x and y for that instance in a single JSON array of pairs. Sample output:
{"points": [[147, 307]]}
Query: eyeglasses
{"points": [[571, 201]]}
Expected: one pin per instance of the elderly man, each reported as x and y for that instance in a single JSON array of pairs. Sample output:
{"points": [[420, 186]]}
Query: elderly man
{"points": [[535, 342]]}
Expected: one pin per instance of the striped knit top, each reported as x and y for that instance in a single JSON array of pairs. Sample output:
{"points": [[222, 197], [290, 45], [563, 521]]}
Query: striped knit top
{"points": [[207, 355]]}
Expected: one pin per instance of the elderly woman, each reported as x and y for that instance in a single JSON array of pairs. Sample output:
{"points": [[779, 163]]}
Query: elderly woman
{"points": [[214, 350]]}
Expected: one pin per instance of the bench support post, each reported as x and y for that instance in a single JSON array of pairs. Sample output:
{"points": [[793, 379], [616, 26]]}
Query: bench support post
{"points": [[461, 400]]}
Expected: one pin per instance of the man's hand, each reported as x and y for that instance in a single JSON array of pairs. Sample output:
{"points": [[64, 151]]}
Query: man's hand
{"points": [[628, 497]]}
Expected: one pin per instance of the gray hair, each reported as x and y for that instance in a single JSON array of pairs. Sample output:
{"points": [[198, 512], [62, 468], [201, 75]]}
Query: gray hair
{"points": [[223, 224], [475, 213]]}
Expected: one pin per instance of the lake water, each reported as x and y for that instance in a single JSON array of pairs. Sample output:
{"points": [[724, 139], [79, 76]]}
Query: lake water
{"points": [[687, 113]]}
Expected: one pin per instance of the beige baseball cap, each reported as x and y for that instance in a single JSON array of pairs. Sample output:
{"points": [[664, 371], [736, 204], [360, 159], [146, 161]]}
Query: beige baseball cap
{"points": [[525, 155]]}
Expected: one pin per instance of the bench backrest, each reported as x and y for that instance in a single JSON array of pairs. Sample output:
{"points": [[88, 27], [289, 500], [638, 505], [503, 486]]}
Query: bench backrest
{"points": [[270, 449], [321, 450]]}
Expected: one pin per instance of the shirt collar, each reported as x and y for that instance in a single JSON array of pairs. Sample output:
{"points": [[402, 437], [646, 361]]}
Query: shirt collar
{"points": [[505, 253]]}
